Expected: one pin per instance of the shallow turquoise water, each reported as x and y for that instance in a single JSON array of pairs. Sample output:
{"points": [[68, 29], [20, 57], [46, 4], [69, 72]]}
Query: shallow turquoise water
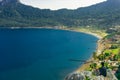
{"points": [[42, 54]]}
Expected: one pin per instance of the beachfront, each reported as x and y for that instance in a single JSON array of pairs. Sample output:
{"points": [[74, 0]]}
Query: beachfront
{"points": [[106, 52]]}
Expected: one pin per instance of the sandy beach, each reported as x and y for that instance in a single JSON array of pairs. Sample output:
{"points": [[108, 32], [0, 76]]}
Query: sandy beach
{"points": [[86, 65]]}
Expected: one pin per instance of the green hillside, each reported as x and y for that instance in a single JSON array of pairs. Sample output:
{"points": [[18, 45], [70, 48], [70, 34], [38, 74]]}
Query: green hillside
{"points": [[102, 15]]}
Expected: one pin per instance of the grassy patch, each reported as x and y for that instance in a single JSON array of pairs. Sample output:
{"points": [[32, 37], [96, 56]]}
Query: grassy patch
{"points": [[113, 51]]}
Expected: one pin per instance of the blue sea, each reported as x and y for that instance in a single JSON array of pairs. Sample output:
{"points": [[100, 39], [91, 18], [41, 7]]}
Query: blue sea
{"points": [[42, 54]]}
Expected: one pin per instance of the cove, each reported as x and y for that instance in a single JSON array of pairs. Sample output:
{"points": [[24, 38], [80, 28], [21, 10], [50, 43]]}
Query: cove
{"points": [[42, 54]]}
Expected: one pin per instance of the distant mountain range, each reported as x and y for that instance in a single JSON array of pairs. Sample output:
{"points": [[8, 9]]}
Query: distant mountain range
{"points": [[103, 15]]}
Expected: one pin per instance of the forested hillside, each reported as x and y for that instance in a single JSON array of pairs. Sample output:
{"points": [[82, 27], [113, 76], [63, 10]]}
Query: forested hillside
{"points": [[103, 15]]}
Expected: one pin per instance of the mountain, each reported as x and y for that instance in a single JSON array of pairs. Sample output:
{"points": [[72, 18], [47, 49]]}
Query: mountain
{"points": [[105, 14], [7, 2], [102, 15]]}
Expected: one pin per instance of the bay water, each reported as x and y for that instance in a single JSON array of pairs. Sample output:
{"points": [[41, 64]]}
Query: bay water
{"points": [[42, 54]]}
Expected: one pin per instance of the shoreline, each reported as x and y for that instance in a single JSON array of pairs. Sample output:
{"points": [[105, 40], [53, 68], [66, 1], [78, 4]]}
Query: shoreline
{"points": [[67, 29], [89, 33], [83, 66]]}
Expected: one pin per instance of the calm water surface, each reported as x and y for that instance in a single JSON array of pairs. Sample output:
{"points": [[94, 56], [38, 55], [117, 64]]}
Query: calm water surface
{"points": [[42, 54]]}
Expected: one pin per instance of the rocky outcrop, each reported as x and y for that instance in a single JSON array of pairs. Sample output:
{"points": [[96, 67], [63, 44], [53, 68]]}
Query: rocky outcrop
{"points": [[88, 75]]}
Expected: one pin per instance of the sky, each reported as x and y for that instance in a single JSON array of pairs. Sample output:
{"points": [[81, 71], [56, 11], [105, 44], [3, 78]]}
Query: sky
{"points": [[58, 4]]}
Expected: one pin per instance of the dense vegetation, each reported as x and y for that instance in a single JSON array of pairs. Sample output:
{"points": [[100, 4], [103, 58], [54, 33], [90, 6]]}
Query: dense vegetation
{"points": [[102, 15]]}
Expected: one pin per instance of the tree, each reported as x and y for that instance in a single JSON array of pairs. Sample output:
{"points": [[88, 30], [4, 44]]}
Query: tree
{"points": [[94, 55]]}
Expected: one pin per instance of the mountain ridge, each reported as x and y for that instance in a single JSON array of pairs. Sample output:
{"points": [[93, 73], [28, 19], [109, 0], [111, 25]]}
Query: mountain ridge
{"points": [[101, 15]]}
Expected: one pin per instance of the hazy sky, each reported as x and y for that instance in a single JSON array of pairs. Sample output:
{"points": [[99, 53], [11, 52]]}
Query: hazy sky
{"points": [[58, 4]]}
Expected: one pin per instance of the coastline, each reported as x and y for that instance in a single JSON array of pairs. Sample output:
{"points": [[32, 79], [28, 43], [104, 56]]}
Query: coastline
{"points": [[83, 66], [90, 33], [67, 29]]}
